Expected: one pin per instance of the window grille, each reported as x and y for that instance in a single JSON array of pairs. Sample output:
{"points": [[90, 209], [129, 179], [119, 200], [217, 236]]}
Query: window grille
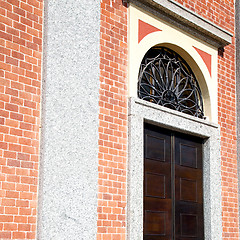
{"points": [[167, 80]]}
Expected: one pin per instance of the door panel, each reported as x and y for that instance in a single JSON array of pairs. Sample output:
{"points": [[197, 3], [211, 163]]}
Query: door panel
{"points": [[173, 191], [188, 188], [157, 186]]}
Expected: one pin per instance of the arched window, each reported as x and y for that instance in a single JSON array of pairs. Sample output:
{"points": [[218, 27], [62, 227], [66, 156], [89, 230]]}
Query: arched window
{"points": [[167, 80]]}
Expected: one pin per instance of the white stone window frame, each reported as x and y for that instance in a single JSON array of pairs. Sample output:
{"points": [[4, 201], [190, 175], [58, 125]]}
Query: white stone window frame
{"points": [[141, 111]]}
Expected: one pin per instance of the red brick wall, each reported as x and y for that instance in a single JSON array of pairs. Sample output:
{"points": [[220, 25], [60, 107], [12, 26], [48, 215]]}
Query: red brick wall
{"points": [[112, 121], [20, 82], [221, 12], [20, 75], [227, 121]]}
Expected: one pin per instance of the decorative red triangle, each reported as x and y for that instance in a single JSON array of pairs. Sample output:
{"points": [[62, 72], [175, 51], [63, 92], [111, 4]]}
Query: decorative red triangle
{"points": [[144, 29], [207, 58]]}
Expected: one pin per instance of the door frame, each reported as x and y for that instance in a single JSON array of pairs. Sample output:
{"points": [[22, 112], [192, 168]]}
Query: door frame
{"points": [[141, 111]]}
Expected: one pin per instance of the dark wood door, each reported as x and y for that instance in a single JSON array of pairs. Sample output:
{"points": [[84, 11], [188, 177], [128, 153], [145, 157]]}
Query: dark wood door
{"points": [[173, 191]]}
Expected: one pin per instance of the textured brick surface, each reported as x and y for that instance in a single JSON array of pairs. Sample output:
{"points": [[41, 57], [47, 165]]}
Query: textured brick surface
{"points": [[113, 121], [20, 75], [227, 121]]}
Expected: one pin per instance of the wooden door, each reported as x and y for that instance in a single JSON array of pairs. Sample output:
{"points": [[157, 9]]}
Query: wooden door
{"points": [[173, 191]]}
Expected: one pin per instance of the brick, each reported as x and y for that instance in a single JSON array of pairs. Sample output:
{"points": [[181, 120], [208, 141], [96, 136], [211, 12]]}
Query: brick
{"points": [[33, 17], [32, 75], [2, 121], [27, 164], [32, 46], [17, 85], [21, 156], [22, 203], [28, 180], [15, 147], [31, 235], [26, 21], [6, 5], [3, 145], [22, 187], [110, 117], [5, 235], [12, 46], [6, 218], [19, 11], [16, 100], [19, 26], [31, 60], [12, 194], [8, 170], [10, 226], [25, 126], [12, 61], [13, 163], [32, 31], [25, 195], [37, 40], [5, 66], [11, 210], [26, 7], [14, 2], [8, 186], [18, 55], [5, 51], [19, 41], [11, 76], [29, 104], [16, 132], [34, 3], [26, 36], [12, 139], [25, 65], [32, 220], [38, 12], [12, 31], [11, 107], [5, 20], [12, 16], [4, 82], [12, 92], [19, 235], [8, 202], [25, 211], [24, 80]]}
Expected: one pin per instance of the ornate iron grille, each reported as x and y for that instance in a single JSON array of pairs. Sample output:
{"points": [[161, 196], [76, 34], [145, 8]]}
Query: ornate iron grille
{"points": [[167, 80]]}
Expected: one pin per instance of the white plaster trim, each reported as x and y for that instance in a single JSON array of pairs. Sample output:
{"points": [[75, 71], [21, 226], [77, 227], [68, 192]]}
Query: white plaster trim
{"points": [[141, 111], [175, 11]]}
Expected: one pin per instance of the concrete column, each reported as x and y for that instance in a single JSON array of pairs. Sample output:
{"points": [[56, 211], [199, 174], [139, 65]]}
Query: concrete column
{"points": [[69, 140]]}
